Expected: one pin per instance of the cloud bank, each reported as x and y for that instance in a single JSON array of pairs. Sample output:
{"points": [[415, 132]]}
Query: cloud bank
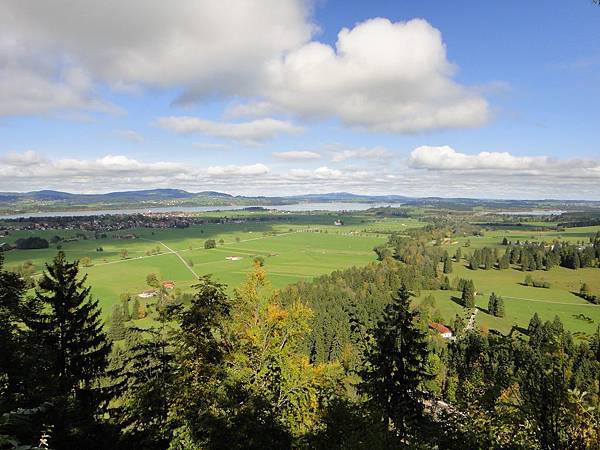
{"points": [[445, 158], [381, 76], [419, 175], [253, 131]]}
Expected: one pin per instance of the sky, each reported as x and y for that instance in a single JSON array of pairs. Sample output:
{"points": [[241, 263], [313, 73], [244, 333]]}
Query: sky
{"points": [[276, 97]]}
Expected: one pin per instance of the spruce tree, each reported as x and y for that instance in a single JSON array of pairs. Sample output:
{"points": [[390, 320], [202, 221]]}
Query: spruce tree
{"points": [[468, 294], [457, 255], [395, 370], [499, 307], [492, 304], [125, 309], [15, 361], [135, 311], [117, 330], [475, 261], [534, 330], [447, 265], [504, 262], [75, 350]]}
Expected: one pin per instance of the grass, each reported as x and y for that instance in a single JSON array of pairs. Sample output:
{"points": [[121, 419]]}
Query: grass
{"points": [[300, 247], [521, 302]]}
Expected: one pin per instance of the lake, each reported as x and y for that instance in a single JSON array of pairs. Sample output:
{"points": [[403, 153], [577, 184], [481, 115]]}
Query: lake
{"points": [[296, 207]]}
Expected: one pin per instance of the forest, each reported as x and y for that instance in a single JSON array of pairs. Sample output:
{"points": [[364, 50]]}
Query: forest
{"points": [[345, 361]]}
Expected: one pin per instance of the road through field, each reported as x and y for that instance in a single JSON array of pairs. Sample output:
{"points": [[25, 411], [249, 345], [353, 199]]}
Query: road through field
{"points": [[170, 250], [179, 256]]}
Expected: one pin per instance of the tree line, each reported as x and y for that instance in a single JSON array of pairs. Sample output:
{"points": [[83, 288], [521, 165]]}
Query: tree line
{"points": [[235, 371]]}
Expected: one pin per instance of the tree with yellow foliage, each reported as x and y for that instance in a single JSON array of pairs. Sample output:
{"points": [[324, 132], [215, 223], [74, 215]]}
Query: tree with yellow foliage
{"points": [[268, 358]]}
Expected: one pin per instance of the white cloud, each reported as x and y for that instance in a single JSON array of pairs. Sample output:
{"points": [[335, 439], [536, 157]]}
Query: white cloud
{"points": [[297, 155], [360, 153], [30, 85], [252, 109], [326, 172], [383, 76], [560, 179], [253, 169], [445, 158], [206, 47], [210, 146], [32, 166], [253, 131], [27, 158]]}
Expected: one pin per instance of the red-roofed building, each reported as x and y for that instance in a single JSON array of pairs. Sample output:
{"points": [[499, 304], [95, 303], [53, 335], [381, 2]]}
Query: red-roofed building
{"points": [[168, 284], [442, 329]]}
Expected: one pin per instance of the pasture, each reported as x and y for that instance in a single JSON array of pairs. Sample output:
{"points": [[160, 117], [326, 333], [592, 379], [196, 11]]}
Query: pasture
{"points": [[296, 248], [302, 246], [520, 301]]}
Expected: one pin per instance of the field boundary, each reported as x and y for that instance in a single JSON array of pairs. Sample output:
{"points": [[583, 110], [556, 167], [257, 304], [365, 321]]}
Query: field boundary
{"points": [[550, 302]]}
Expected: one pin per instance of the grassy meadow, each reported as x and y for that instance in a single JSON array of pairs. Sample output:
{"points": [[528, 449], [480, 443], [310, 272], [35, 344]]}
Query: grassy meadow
{"points": [[296, 248], [520, 301], [302, 246]]}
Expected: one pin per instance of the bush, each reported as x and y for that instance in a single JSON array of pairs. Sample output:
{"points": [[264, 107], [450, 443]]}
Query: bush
{"points": [[210, 243]]}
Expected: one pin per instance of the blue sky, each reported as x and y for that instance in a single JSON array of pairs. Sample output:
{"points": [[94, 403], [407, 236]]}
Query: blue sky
{"points": [[462, 98]]}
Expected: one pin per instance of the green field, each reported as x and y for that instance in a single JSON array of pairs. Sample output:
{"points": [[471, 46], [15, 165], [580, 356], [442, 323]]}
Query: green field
{"points": [[300, 247], [521, 302]]}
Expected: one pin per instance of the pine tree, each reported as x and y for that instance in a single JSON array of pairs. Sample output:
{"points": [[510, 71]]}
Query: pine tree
{"points": [[395, 370], [475, 261], [504, 262], [445, 286], [447, 265], [125, 309], [493, 304], [534, 330], [116, 332], [457, 255], [15, 363], [468, 294], [499, 307], [68, 327], [135, 311]]}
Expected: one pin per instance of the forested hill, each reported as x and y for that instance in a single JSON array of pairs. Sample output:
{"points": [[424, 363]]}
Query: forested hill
{"points": [[49, 200]]}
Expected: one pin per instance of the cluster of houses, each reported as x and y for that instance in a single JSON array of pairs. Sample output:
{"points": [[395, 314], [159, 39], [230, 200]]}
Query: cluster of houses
{"points": [[149, 293], [110, 223]]}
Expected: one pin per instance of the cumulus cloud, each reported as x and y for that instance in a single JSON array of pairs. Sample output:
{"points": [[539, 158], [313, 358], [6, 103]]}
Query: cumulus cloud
{"points": [[297, 155], [360, 153], [253, 169], [29, 170], [27, 158], [253, 131], [380, 75], [206, 47], [30, 84], [445, 158]]}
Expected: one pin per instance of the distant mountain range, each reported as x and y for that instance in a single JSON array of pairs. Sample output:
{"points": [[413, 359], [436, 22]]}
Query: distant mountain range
{"points": [[171, 194], [49, 200]]}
